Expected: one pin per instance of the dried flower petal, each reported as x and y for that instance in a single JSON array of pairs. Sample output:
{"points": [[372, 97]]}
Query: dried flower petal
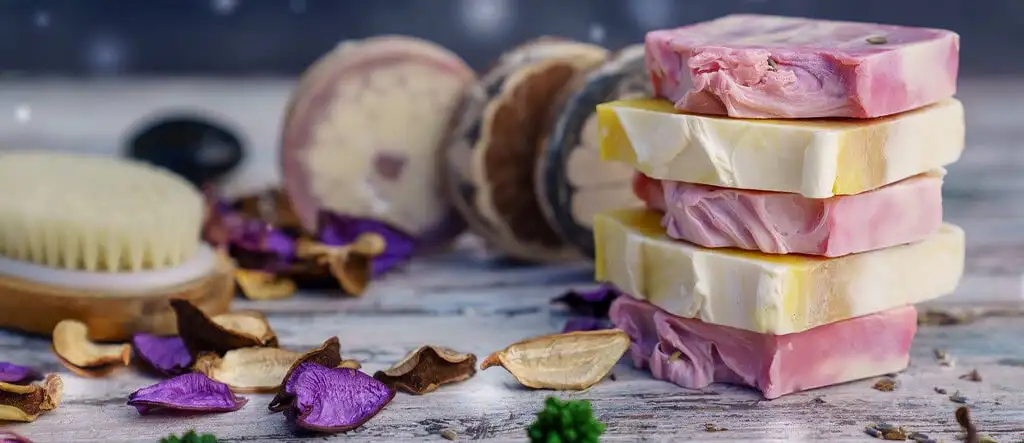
{"points": [[83, 357], [251, 370], [963, 417], [351, 264], [26, 402], [571, 361], [188, 392], [595, 303], [427, 368], [166, 356], [12, 437], [334, 399], [328, 355], [586, 324], [260, 285], [221, 333], [338, 230], [17, 374]]}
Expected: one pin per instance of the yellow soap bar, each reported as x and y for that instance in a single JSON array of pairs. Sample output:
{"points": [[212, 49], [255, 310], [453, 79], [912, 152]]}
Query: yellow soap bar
{"points": [[816, 158], [767, 293]]}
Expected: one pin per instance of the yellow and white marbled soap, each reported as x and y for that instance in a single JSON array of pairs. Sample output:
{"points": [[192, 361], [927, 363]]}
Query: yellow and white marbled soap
{"points": [[816, 158], [768, 293]]}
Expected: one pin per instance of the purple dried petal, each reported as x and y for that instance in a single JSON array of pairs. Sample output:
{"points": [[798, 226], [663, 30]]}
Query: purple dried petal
{"points": [[11, 437], [189, 392], [334, 399], [17, 374], [586, 324], [166, 355], [339, 230], [593, 303]]}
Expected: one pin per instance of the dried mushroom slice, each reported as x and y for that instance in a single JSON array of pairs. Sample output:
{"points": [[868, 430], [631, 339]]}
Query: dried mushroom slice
{"points": [[26, 402], [427, 368], [573, 182], [74, 350], [221, 333], [328, 355], [262, 285], [569, 361], [248, 370]]}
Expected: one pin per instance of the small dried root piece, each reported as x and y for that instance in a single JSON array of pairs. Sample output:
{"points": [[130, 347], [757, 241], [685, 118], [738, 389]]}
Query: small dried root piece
{"points": [[74, 350], [261, 285], [570, 361], [248, 370], [352, 264], [328, 355], [26, 402], [221, 333], [427, 368]]}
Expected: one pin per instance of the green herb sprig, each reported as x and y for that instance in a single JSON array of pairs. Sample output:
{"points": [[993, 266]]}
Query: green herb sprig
{"points": [[190, 437], [571, 421]]}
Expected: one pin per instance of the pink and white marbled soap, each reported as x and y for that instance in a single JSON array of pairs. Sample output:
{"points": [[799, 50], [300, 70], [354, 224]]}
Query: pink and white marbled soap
{"points": [[781, 223], [694, 354], [760, 66]]}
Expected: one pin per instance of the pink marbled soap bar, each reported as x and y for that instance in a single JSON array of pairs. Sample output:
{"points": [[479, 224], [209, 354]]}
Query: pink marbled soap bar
{"points": [[780, 223], [761, 66], [694, 354]]}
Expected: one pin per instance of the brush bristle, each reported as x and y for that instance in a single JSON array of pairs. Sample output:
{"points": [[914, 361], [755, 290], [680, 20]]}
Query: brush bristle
{"points": [[94, 213]]}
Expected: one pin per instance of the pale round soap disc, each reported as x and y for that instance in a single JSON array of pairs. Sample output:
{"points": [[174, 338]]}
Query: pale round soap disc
{"points": [[113, 283]]}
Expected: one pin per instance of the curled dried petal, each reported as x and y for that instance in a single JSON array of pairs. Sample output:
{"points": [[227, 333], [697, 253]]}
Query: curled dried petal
{"points": [[427, 368], [166, 356], [260, 285], [26, 402], [252, 370], [334, 399], [74, 350], [338, 230], [17, 374], [222, 333], [570, 361], [351, 264], [192, 392], [327, 355]]}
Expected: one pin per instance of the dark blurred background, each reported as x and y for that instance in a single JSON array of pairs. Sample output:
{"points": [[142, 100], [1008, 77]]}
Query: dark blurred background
{"points": [[281, 37]]}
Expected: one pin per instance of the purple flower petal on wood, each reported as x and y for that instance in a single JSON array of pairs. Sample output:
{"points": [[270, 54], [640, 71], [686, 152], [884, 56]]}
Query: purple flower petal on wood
{"points": [[338, 230], [17, 374], [165, 355], [192, 392], [594, 303], [334, 399]]}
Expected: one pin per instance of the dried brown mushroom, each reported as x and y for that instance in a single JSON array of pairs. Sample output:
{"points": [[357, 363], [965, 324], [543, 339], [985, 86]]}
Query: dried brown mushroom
{"points": [[352, 264], [328, 354], [221, 333], [427, 368], [260, 285], [570, 361], [26, 402], [74, 350], [248, 370]]}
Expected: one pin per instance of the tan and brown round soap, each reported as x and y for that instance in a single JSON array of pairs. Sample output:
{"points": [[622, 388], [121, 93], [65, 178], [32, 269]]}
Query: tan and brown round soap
{"points": [[573, 183], [502, 128], [363, 133]]}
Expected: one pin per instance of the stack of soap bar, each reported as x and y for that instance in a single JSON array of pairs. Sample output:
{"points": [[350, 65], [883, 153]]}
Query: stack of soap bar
{"points": [[780, 249]]}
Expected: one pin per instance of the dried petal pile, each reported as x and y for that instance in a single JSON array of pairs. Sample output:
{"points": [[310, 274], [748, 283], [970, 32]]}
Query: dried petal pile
{"points": [[427, 368], [193, 392], [568, 361], [26, 402], [17, 374], [263, 235], [327, 399], [589, 308], [83, 357]]}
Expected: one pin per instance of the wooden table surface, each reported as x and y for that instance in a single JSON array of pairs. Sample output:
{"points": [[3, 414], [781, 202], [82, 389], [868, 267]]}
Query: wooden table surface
{"points": [[478, 305]]}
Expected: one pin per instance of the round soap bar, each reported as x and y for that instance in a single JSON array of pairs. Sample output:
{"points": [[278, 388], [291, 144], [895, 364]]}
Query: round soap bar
{"points": [[501, 126], [363, 133], [573, 182]]}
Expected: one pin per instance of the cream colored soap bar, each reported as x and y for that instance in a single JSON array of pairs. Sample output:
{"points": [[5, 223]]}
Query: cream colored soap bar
{"points": [[765, 293], [816, 158]]}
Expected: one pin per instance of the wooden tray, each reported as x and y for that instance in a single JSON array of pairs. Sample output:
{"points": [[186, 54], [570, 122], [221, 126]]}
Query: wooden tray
{"points": [[36, 308]]}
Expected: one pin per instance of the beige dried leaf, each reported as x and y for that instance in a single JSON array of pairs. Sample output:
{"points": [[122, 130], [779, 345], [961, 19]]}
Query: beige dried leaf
{"points": [[427, 368], [74, 350], [25, 403], [570, 361], [221, 333], [259, 285], [248, 370]]}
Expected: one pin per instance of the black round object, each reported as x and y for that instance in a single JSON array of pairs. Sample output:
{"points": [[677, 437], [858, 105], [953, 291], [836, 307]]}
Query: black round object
{"points": [[198, 150]]}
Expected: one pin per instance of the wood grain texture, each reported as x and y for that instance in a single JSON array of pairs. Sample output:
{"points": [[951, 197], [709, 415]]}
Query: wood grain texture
{"points": [[474, 304]]}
